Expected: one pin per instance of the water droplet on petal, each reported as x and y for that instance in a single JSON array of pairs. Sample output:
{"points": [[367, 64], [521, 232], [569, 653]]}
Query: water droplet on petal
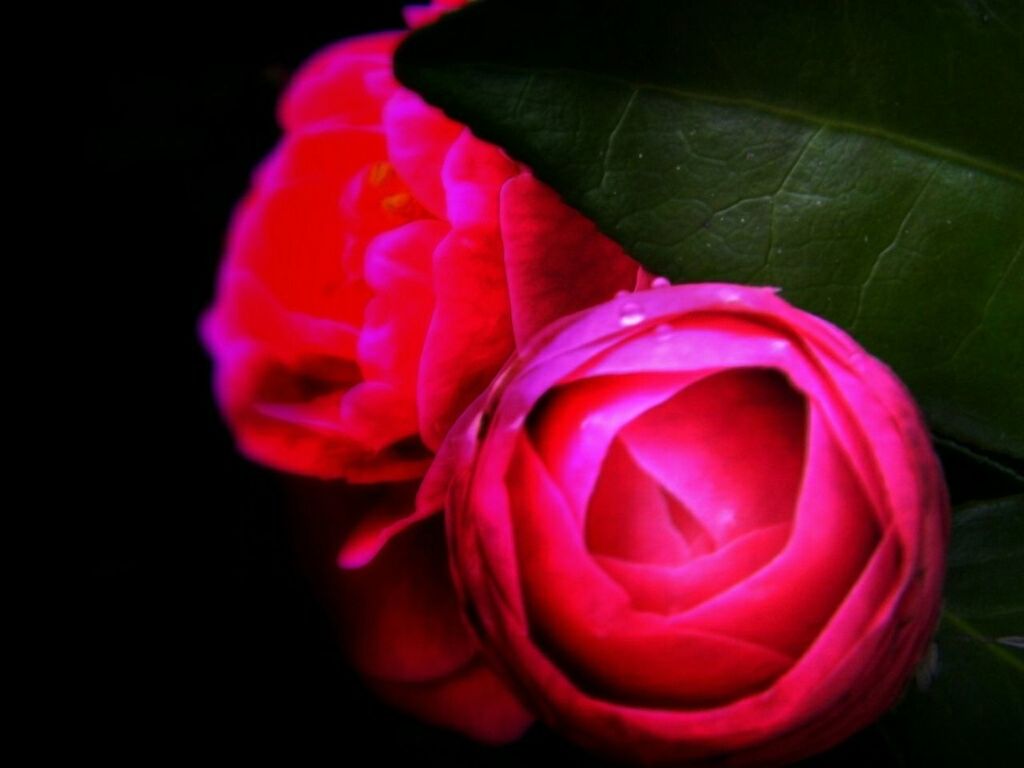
{"points": [[780, 345], [621, 293], [660, 282], [630, 314], [663, 332], [728, 296]]}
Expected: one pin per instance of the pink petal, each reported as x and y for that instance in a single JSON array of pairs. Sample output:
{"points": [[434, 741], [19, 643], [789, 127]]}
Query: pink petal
{"points": [[586, 620], [576, 423], [421, 15], [730, 448], [398, 271], [349, 81], [833, 537], [670, 590], [418, 140], [629, 516], [470, 335], [473, 175], [402, 622], [405, 633], [556, 260]]}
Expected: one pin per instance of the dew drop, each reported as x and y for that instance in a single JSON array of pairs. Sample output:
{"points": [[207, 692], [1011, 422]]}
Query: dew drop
{"points": [[621, 293], [780, 345], [639, 155], [660, 282], [1013, 641], [728, 296], [865, 238], [663, 332], [630, 314]]}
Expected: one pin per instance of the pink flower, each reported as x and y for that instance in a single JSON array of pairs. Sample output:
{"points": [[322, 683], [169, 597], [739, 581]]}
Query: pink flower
{"points": [[695, 524], [381, 269]]}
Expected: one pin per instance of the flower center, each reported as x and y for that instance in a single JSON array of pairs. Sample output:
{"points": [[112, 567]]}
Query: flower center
{"points": [[716, 462]]}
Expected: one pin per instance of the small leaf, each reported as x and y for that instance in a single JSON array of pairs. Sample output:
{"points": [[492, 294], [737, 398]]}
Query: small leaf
{"points": [[865, 156]]}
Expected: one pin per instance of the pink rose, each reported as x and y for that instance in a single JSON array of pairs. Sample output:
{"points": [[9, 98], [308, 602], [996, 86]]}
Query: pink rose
{"points": [[695, 524], [381, 269]]}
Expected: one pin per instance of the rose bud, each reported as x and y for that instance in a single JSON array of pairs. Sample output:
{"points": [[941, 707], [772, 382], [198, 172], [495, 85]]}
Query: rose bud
{"points": [[380, 270], [697, 525]]}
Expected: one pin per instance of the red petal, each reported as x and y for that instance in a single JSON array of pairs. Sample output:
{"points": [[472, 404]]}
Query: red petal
{"points": [[473, 175], [474, 702], [470, 335], [349, 81], [557, 262], [418, 138], [729, 447]]}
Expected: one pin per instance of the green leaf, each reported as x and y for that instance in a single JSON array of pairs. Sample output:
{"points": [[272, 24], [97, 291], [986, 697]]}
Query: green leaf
{"points": [[865, 156], [973, 476], [967, 705]]}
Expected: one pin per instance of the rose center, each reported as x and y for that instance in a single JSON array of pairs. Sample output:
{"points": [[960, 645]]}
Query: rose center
{"points": [[715, 463]]}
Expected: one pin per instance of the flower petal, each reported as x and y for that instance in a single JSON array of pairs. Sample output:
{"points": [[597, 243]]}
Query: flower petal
{"points": [[556, 260]]}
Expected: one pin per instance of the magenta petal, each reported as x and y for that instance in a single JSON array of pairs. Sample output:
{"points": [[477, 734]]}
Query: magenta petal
{"points": [[586, 619], [576, 423], [755, 421], [834, 533], [349, 81], [615, 528], [669, 590], [557, 262], [398, 270], [404, 632], [419, 138], [470, 335], [402, 620], [473, 175]]}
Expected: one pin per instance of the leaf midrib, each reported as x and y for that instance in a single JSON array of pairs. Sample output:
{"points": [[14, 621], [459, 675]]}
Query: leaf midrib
{"points": [[934, 150]]}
